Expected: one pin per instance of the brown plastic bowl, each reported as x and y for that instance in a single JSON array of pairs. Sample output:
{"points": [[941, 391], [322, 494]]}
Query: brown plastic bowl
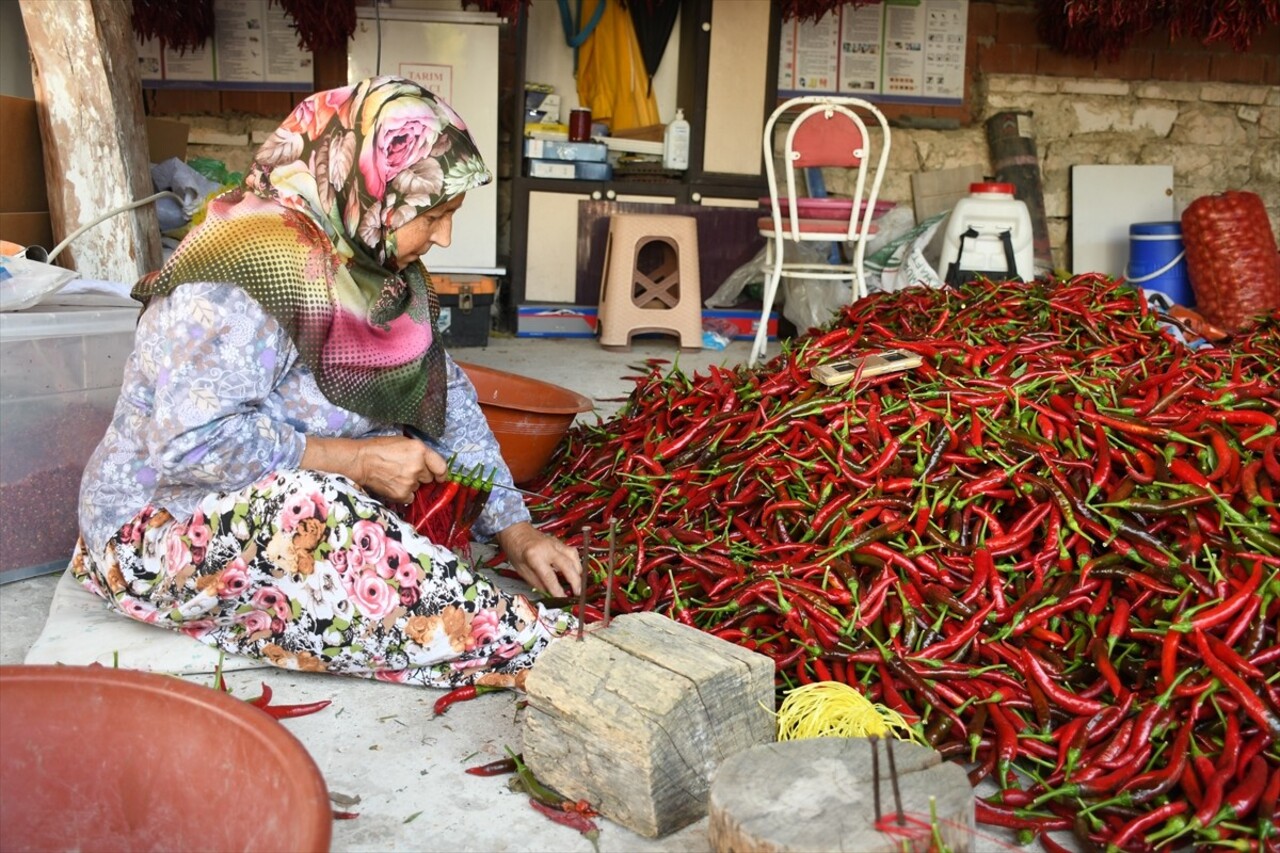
{"points": [[527, 416], [112, 759]]}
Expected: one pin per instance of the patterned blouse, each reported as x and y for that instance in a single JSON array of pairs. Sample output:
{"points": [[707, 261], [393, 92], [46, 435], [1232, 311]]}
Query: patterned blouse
{"points": [[214, 397]]}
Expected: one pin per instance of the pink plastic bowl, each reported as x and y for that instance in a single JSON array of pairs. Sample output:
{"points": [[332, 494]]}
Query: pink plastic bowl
{"points": [[112, 759]]}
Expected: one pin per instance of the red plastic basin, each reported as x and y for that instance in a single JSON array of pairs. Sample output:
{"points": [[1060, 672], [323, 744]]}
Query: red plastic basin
{"points": [[527, 416], [112, 759]]}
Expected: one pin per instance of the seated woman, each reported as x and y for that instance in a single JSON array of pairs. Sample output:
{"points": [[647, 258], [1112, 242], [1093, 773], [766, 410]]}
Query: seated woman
{"points": [[243, 493]]}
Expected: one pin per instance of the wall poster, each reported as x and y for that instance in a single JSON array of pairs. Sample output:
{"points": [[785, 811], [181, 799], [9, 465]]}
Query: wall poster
{"points": [[897, 51], [254, 46]]}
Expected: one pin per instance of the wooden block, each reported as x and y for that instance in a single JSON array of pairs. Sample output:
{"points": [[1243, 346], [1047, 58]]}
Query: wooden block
{"points": [[808, 796], [637, 717]]}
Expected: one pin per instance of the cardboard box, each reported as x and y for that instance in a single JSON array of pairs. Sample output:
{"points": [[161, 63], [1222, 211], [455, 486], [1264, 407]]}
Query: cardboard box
{"points": [[547, 130], [592, 171], [539, 106], [24, 200], [560, 169], [569, 170], [556, 321], [745, 322], [166, 139], [548, 149]]}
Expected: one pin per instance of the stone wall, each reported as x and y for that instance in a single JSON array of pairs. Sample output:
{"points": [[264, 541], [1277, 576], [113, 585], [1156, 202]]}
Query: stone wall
{"points": [[1217, 136]]}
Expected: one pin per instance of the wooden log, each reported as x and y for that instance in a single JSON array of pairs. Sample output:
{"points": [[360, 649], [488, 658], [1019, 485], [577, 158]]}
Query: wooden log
{"points": [[89, 95], [636, 717], [809, 796]]}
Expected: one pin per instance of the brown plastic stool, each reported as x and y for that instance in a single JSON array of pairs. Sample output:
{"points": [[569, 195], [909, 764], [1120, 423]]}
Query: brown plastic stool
{"points": [[638, 294]]}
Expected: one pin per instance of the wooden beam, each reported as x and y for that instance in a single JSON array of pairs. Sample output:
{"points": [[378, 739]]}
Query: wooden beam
{"points": [[89, 96]]}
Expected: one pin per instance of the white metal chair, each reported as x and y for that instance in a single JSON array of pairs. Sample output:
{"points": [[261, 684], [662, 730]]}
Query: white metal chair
{"points": [[826, 131]]}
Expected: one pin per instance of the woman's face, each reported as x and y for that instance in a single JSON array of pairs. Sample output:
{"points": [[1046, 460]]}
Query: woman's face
{"points": [[431, 228]]}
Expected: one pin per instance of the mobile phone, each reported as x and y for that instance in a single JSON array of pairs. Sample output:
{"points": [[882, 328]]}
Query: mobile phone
{"points": [[876, 364]]}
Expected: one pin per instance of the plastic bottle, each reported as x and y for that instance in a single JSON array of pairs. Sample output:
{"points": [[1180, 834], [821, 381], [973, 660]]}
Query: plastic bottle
{"points": [[675, 143]]}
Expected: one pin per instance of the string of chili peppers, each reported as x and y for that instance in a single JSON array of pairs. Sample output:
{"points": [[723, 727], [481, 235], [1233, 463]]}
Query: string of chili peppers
{"points": [[1054, 548], [180, 26], [1107, 27], [812, 10], [445, 511], [321, 24]]}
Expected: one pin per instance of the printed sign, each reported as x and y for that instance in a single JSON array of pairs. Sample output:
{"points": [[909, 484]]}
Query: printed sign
{"points": [[897, 51]]}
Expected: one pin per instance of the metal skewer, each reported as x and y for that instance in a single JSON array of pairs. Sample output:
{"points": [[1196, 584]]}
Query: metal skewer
{"points": [[875, 774], [582, 586], [608, 580], [893, 776]]}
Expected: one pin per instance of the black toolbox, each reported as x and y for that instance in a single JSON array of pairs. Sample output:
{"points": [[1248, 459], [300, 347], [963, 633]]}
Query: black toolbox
{"points": [[466, 304]]}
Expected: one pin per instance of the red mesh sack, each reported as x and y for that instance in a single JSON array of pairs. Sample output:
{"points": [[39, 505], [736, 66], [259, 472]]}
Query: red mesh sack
{"points": [[1231, 258]]}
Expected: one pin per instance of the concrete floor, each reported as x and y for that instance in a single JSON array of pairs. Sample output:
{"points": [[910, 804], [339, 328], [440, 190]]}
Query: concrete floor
{"points": [[379, 742]]}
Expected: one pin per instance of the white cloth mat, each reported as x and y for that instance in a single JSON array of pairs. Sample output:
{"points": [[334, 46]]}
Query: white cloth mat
{"points": [[82, 630]]}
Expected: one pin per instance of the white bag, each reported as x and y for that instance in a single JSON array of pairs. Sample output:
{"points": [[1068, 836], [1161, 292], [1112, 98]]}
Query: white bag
{"points": [[23, 282]]}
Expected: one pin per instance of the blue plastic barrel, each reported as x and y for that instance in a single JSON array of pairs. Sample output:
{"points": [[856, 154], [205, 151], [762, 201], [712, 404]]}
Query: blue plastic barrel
{"points": [[1157, 260]]}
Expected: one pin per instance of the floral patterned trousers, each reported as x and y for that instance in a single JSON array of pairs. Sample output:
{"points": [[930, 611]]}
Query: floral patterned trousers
{"points": [[307, 572]]}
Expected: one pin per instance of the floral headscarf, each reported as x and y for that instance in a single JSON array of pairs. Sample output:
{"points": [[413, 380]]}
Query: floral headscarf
{"points": [[309, 235]]}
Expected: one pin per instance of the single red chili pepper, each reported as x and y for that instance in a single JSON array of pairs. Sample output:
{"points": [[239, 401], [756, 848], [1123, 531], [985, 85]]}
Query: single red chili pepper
{"points": [[1240, 802], [1252, 747], [1009, 818], [1169, 659], [1061, 696], [1156, 783], [445, 494], [501, 767], [1188, 473], [1141, 824], [263, 699], [462, 694], [283, 712], [1268, 801], [572, 819], [1249, 701], [1221, 612]]}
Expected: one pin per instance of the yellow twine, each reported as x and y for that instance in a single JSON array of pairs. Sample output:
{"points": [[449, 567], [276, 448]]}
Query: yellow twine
{"points": [[833, 709]]}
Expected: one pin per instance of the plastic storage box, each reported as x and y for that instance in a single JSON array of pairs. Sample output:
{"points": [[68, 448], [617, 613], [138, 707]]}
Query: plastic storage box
{"points": [[60, 373], [465, 309]]}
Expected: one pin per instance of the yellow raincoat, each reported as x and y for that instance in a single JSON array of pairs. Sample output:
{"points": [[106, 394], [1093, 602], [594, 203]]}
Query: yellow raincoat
{"points": [[612, 81]]}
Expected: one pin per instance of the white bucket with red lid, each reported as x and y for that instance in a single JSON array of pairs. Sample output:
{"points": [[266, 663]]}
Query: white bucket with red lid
{"points": [[988, 233]]}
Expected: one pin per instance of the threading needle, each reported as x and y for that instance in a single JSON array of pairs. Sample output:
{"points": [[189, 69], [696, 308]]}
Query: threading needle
{"points": [[893, 776], [608, 580], [582, 590]]}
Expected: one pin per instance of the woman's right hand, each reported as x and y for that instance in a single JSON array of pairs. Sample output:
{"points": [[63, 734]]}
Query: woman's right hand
{"points": [[390, 467]]}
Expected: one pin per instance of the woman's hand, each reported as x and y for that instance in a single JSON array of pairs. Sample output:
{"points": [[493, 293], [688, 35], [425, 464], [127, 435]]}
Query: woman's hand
{"points": [[391, 467], [540, 560]]}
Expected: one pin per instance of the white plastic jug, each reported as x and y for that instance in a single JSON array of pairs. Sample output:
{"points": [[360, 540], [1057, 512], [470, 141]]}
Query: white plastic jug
{"points": [[986, 229]]}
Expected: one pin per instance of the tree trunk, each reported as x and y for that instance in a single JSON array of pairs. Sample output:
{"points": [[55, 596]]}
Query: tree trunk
{"points": [[85, 77]]}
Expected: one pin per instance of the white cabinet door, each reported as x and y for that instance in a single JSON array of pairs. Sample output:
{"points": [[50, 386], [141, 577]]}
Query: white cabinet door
{"points": [[551, 263], [737, 79]]}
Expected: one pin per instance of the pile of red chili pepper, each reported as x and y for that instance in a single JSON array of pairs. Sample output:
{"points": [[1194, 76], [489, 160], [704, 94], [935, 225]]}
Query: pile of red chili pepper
{"points": [[1053, 547]]}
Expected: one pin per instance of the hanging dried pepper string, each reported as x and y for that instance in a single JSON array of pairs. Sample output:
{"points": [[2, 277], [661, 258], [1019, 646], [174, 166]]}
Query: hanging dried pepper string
{"points": [[1026, 545]]}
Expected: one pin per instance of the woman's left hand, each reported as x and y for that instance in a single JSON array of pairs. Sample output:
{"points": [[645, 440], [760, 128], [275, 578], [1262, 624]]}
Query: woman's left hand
{"points": [[540, 560]]}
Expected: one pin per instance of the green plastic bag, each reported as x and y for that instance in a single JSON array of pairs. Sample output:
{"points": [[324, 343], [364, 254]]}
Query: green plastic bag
{"points": [[215, 170]]}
